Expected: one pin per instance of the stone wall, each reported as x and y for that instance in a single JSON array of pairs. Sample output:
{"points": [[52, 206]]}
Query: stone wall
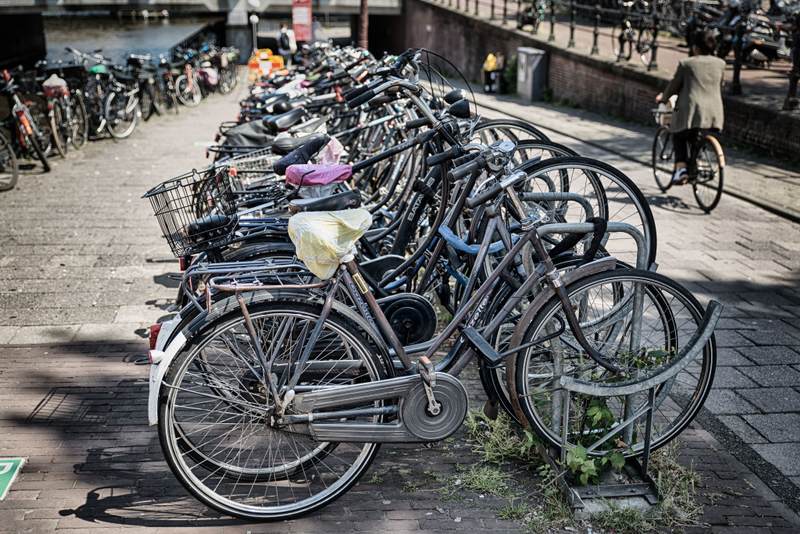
{"points": [[589, 82]]}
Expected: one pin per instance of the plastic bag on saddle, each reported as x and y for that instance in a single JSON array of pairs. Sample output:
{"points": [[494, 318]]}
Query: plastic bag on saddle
{"points": [[323, 238]]}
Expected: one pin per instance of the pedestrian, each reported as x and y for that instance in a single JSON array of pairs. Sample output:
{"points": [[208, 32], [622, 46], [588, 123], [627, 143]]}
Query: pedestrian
{"points": [[698, 85], [287, 44]]}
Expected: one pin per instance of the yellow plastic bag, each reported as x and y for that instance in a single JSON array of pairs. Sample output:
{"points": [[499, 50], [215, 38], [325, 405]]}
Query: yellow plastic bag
{"points": [[323, 238]]}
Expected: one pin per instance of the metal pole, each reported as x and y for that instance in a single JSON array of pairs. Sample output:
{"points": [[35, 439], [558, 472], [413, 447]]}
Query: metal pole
{"points": [[552, 36], [653, 65], [596, 31], [792, 102], [476, 8], [736, 84], [491, 10], [505, 12], [571, 42], [363, 25]]}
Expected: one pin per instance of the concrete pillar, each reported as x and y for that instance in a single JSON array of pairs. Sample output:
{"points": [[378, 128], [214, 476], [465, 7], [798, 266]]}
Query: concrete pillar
{"points": [[238, 32]]}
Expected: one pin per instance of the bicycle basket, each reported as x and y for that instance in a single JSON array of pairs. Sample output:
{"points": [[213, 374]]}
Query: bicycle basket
{"points": [[196, 211]]}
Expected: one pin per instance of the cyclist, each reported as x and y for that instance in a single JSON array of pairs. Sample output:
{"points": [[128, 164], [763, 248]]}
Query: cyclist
{"points": [[698, 84]]}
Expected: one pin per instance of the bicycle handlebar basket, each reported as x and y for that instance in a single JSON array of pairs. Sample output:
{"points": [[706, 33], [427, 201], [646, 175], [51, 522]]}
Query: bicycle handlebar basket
{"points": [[196, 210]]}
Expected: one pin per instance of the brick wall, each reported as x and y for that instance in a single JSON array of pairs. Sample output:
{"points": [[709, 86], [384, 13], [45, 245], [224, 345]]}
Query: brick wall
{"points": [[590, 82]]}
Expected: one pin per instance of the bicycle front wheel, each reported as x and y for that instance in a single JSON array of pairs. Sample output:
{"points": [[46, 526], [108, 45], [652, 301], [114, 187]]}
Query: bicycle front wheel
{"points": [[215, 422], [122, 115], [662, 158], [707, 184], [642, 321]]}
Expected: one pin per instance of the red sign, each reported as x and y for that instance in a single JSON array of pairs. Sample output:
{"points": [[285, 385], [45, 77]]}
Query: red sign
{"points": [[301, 19]]}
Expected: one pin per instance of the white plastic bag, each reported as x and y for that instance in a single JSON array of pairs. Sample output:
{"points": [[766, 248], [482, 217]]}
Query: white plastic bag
{"points": [[323, 238]]}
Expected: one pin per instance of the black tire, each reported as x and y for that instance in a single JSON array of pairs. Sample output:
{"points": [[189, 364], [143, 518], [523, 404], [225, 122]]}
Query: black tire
{"points": [[378, 367], [684, 394], [710, 170], [9, 170], [57, 130], [37, 148], [512, 129], [79, 133], [146, 100], [662, 154]]}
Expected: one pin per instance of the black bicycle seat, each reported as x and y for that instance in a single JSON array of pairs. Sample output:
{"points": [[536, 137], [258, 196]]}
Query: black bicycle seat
{"points": [[340, 201]]}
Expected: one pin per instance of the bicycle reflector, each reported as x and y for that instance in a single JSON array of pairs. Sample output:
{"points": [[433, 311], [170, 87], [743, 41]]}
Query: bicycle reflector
{"points": [[154, 330]]}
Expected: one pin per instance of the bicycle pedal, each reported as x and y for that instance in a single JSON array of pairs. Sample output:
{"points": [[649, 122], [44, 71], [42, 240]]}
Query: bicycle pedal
{"points": [[482, 347]]}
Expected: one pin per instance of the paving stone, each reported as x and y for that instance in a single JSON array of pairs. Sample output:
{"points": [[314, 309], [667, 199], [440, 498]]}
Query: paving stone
{"points": [[731, 377], [772, 375], [740, 427], [727, 357], [784, 456], [726, 401], [777, 428], [773, 399], [772, 355]]}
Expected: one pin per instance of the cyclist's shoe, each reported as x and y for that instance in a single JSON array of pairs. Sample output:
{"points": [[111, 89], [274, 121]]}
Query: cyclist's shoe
{"points": [[680, 176]]}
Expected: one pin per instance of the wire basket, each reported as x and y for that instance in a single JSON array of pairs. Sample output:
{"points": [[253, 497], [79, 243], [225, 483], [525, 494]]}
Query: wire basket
{"points": [[196, 211]]}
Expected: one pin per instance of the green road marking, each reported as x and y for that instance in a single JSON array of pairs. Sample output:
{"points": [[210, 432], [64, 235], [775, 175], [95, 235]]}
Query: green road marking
{"points": [[9, 468]]}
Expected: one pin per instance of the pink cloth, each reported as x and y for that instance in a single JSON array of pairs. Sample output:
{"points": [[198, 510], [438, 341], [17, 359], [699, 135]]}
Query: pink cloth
{"points": [[311, 174]]}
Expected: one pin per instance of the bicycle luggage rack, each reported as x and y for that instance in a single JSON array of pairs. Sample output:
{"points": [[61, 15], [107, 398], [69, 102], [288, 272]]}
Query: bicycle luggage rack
{"points": [[587, 500]]}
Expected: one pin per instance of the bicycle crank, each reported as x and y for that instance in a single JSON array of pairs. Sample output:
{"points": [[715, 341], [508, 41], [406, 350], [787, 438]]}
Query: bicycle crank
{"points": [[414, 421]]}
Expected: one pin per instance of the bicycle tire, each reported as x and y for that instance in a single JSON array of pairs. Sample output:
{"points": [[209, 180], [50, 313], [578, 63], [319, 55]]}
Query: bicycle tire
{"points": [[131, 117], [80, 131], [662, 152], [40, 154], [56, 129], [378, 367], [711, 147], [694, 396], [8, 161]]}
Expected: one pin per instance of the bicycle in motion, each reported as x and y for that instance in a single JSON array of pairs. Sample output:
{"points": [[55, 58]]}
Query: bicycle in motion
{"points": [[705, 168]]}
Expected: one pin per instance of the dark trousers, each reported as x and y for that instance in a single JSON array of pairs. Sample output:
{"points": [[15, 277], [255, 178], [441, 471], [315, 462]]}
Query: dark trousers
{"points": [[682, 140]]}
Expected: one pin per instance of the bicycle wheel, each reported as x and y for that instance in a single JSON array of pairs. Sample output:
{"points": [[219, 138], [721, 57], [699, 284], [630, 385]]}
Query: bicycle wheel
{"points": [[490, 131], [644, 45], [9, 172], [707, 184], [79, 127], [39, 151], [287, 473], [146, 98], [188, 95], [640, 319], [122, 114], [57, 131], [662, 157], [606, 191]]}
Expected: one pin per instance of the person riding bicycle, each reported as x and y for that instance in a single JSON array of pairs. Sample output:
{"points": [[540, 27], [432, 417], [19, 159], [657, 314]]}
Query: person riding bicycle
{"points": [[698, 85]]}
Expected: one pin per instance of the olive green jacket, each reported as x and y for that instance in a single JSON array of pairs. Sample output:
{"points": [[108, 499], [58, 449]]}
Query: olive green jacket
{"points": [[698, 84]]}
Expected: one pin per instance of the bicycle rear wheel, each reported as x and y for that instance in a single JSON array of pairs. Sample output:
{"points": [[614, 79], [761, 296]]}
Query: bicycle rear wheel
{"points": [[662, 156], [57, 130], [122, 115], [707, 184], [238, 462], [640, 319], [79, 126]]}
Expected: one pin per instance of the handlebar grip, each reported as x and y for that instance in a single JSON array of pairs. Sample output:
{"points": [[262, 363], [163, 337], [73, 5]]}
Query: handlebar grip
{"points": [[485, 196], [441, 157], [465, 158], [416, 123], [467, 168], [353, 93], [366, 96]]}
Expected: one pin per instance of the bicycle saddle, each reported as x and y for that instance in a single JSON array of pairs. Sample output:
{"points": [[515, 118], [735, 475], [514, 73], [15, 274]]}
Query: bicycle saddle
{"points": [[209, 227], [337, 202], [311, 174], [283, 145], [308, 149], [284, 121]]}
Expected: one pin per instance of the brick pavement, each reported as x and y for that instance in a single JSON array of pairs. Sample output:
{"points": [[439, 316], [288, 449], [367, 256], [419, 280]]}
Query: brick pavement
{"points": [[90, 273]]}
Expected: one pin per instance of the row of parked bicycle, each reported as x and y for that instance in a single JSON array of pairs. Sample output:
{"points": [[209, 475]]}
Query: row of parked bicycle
{"points": [[361, 237], [754, 35], [57, 106]]}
